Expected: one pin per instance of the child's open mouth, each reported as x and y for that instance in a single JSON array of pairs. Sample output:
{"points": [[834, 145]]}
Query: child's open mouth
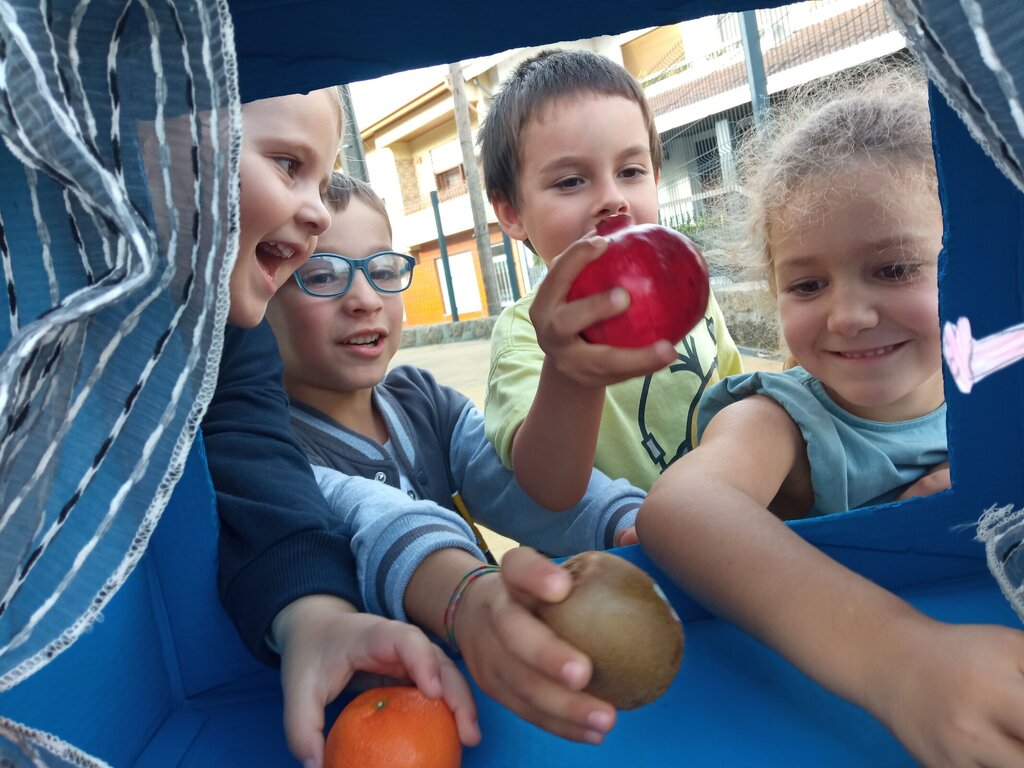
{"points": [[272, 255], [369, 340]]}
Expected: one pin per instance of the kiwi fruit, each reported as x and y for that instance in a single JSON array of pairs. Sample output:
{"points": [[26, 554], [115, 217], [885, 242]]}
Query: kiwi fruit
{"points": [[618, 616]]}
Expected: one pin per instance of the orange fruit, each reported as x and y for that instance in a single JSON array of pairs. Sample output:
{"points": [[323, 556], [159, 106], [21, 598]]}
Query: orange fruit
{"points": [[393, 727]]}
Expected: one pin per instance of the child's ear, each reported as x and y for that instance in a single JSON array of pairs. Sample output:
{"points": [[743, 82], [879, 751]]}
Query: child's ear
{"points": [[508, 217]]}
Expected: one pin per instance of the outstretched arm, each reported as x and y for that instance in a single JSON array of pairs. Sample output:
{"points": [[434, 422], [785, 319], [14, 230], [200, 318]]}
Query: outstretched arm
{"points": [[411, 556], [954, 695], [497, 501], [513, 656]]}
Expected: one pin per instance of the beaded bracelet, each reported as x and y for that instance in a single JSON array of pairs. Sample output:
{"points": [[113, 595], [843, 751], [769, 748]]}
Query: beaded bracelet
{"points": [[456, 598]]}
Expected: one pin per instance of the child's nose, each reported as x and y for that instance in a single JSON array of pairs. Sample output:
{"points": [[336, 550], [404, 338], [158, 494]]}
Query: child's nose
{"points": [[314, 214], [610, 199], [362, 296], [851, 312]]}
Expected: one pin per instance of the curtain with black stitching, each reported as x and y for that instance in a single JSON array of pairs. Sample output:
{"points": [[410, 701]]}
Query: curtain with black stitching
{"points": [[973, 51], [118, 228]]}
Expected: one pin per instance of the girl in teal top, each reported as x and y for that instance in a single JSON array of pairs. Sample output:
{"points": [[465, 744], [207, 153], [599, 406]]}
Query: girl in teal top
{"points": [[845, 215]]}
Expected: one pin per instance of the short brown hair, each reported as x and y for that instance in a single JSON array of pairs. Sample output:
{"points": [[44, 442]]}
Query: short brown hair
{"points": [[533, 84], [341, 188]]}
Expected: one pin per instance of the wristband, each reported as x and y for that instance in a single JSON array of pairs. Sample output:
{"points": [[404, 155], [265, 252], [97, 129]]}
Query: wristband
{"points": [[456, 598]]}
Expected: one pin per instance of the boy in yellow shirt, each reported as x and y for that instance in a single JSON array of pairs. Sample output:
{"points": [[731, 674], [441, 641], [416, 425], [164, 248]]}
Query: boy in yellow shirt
{"points": [[569, 141]]}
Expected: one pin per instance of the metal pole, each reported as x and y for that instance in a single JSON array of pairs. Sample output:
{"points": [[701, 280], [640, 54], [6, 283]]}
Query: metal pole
{"points": [[481, 230], [444, 255], [756, 76], [510, 264]]}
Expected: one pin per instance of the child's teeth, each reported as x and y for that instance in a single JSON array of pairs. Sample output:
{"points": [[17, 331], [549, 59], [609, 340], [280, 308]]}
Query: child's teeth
{"points": [[282, 251], [870, 353]]}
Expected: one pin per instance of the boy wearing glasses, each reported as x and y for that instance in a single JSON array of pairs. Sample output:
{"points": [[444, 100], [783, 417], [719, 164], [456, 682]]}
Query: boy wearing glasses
{"points": [[338, 325]]}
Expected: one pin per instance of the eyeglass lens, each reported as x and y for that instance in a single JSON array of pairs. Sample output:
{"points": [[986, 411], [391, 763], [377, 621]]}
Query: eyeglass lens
{"points": [[331, 275]]}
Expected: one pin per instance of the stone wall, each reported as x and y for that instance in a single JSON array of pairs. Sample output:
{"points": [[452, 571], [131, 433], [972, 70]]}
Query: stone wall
{"points": [[750, 315], [444, 333]]}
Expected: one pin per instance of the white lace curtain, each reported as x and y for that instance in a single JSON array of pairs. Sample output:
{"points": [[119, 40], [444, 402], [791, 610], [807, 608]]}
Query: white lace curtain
{"points": [[118, 219]]}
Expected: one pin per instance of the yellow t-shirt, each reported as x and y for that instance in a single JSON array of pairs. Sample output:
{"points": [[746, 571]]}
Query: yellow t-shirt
{"points": [[647, 422]]}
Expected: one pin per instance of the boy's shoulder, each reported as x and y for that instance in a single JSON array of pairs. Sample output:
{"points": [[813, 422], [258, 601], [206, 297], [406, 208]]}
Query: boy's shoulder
{"points": [[514, 328], [409, 381]]}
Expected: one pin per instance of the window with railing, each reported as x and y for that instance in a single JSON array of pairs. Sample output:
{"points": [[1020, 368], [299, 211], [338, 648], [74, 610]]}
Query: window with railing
{"points": [[501, 273], [707, 163], [451, 182]]}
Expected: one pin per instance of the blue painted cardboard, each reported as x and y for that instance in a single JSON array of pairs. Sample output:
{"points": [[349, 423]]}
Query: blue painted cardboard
{"points": [[163, 680]]}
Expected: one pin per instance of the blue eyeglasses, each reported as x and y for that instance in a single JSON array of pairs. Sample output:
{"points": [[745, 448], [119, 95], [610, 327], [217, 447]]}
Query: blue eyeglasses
{"points": [[330, 274]]}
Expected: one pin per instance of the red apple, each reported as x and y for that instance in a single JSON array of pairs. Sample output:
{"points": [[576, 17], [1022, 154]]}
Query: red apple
{"points": [[663, 271]]}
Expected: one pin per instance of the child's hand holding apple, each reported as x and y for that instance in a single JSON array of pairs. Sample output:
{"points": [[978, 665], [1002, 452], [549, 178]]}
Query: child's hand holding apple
{"points": [[666, 278], [663, 290]]}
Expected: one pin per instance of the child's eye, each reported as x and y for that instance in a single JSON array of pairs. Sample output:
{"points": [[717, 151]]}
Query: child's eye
{"points": [[287, 164], [633, 173], [385, 275], [806, 287], [900, 272], [323, 277], [572, 182]]}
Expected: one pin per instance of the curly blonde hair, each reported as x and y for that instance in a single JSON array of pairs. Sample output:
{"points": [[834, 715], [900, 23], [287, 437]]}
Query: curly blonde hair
{"points": [[821, 131], [878, 115]]}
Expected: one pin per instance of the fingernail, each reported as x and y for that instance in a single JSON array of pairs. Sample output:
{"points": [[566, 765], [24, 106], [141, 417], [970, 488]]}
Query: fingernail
{"points": [[600, 721], [574, 674], [556, 585], [620, 297], [593, 737]]}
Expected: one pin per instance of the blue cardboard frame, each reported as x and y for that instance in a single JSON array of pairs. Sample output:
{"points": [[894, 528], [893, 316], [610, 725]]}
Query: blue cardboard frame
{"points": [[163, 680]]}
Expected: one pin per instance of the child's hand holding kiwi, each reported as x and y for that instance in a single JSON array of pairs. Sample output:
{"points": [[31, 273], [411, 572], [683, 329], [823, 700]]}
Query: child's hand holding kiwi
{"points": [[517, 659], [565, 646], [617, 615]]}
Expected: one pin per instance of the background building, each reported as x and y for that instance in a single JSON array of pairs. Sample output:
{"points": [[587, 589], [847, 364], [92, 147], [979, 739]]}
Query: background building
{"points": [[701, 85]]}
